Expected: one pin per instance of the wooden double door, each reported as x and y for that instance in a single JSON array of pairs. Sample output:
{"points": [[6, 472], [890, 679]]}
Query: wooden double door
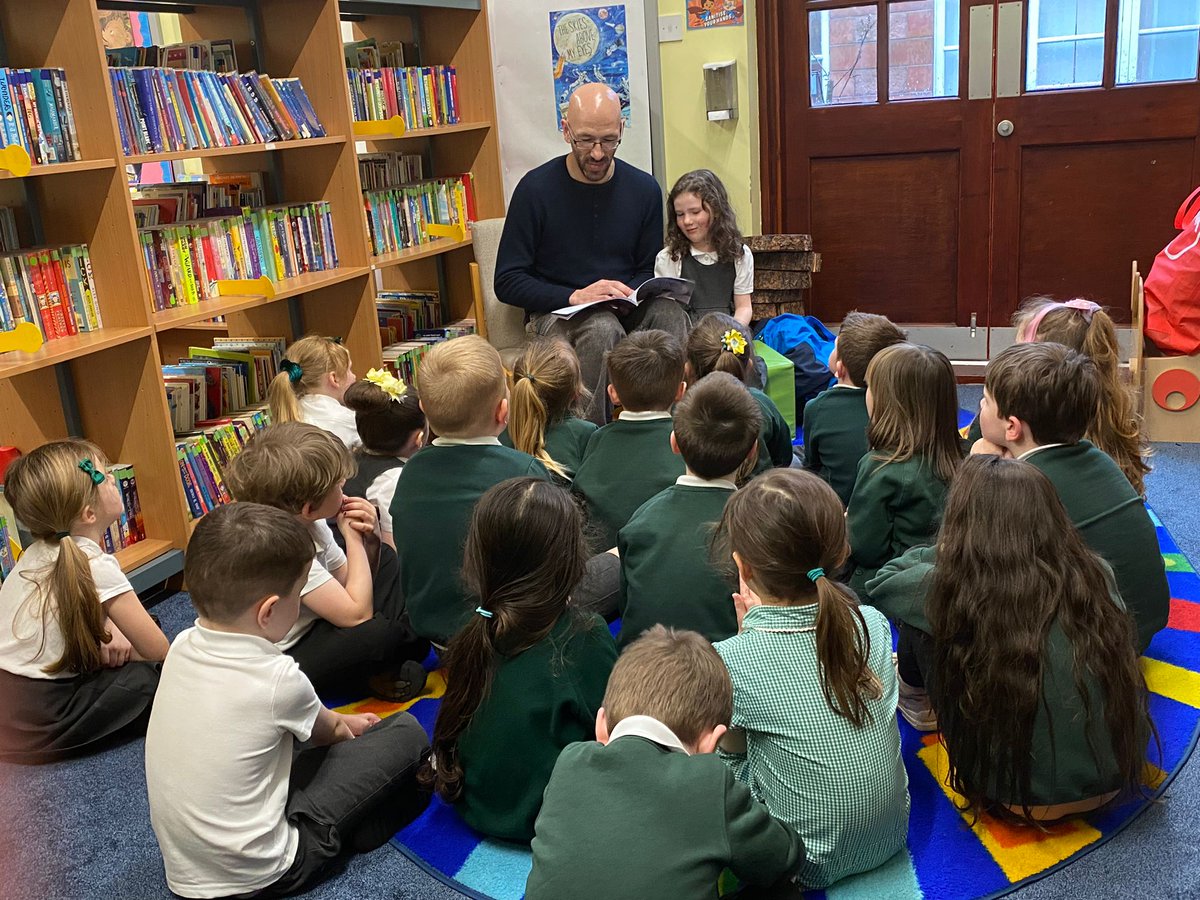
{"points": [[951, 158]]}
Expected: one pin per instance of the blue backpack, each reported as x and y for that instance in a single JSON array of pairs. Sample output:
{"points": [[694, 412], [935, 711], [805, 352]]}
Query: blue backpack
{"points": [[807, 343]]}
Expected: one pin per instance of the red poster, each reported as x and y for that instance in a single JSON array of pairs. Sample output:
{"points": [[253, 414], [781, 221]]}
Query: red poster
{"points": [[714, 13]]}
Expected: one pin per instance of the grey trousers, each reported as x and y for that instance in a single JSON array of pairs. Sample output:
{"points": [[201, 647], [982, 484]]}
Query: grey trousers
{"points": [[595, 332]]}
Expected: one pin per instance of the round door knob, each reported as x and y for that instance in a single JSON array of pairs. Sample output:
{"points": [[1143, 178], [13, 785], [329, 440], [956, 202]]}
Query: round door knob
{"points": [[1005, 128]]}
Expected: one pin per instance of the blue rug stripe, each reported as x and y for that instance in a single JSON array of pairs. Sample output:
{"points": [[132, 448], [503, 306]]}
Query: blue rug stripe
{"points": [[496, 870], [896, 879]]}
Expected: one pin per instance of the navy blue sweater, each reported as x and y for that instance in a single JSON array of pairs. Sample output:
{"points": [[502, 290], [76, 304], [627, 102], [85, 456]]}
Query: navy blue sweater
{"points": [[561, 234]]}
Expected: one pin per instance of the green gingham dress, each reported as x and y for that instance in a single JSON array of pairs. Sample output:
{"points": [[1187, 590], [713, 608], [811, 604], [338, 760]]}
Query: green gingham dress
{"points": [[844, 789]]}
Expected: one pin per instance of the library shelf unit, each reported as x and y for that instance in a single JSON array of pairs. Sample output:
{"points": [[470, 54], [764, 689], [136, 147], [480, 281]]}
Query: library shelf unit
{"points": [[106, 385]]}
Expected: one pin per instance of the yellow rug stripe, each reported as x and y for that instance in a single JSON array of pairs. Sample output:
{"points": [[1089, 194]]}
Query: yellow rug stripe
{"points": [[435, 688], [1178, 684], [1029, 857]]}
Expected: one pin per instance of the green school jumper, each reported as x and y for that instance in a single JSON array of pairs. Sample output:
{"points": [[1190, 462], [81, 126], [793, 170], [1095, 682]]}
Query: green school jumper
{"points": [[667, 573], [1113, 520], [566, 440], [627, 462], [636, 819], [835, 436], [430, 515], [1064, 769], [774, 438], [893, 508], [541, 700]]}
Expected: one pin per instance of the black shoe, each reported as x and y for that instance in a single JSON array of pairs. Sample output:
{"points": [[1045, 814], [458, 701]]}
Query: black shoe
{"points": [[400, 686]]}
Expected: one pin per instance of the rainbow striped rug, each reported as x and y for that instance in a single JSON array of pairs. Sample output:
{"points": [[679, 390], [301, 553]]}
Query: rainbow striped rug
{"points": [[946, 857]]}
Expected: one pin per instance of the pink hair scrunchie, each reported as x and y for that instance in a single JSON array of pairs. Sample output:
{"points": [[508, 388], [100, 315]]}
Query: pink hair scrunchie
{"points": [[1085, 306]]}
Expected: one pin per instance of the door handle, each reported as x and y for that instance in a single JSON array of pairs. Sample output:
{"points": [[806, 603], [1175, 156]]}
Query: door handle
{"points": [[1004, 128]]}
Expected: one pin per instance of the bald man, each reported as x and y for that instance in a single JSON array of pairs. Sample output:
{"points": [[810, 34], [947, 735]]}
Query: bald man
{"points": [[585, 227]]}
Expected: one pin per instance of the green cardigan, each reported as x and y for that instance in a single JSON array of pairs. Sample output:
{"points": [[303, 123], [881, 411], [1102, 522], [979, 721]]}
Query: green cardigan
{"points": [[431, 512], [540, 701], [1064, 768], [566, 441], [774, 437], [667, 573], [1113, 520], [835, 436], [626, 463], [633, 819], [894, 507]]}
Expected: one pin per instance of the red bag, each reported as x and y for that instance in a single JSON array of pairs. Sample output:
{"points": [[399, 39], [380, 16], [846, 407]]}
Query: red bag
{"points": [[1173, 286]]}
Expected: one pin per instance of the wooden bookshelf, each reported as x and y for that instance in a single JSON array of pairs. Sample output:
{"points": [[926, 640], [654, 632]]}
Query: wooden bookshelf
{"points": [[107, 385]]}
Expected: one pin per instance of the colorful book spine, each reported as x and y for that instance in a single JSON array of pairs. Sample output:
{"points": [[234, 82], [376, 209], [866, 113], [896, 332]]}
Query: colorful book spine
{"points": [[423, 96], [399, 216]]}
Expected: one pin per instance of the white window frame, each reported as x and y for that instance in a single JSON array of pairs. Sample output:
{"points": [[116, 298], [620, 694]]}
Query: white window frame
{"points": [[942, 46], [1034, 40], [821, 58], [1129, 33]]}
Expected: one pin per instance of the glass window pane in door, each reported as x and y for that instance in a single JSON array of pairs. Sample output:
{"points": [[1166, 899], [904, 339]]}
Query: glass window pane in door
{"points": [[920, 40], [1158, 40], [844, 72], [1065, 43]]}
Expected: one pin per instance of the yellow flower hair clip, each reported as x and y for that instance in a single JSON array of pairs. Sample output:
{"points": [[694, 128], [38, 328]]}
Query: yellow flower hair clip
{"points": [[388, 383], [734, 341]]}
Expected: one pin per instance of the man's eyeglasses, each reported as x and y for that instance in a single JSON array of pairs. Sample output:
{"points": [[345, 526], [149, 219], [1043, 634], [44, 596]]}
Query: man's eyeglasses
{"points": [[607, 144]]}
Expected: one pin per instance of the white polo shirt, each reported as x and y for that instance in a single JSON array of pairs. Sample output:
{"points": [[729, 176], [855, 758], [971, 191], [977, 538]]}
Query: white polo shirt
{"points": [[325, 412], [218, 758], [329, 558]]}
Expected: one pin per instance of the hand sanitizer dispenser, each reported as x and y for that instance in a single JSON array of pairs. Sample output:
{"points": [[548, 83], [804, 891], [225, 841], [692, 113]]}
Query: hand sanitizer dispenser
{"points": [[720, 90]]}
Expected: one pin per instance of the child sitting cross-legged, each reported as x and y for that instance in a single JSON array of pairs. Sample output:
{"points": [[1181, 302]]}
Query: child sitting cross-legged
{"points": [[352, 634], [814, 689], [1026, 648], [630, 460], [526, 674], [1039, 400], [667, 574], [235, 808], [836, 420], [647, 810]]}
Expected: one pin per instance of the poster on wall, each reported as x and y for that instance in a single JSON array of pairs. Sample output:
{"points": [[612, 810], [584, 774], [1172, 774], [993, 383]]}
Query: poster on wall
{"points": [[588, 45], [715, 13]]}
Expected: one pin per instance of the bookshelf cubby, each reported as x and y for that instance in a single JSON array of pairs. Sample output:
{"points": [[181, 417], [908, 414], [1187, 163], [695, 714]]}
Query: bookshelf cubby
{"points": [[107, 385]]}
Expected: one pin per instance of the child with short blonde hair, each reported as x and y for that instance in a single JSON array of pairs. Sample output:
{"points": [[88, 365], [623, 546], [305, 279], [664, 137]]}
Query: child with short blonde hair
{"points": [[73, 634], [311, 387], [547, 399], [650, 792], [912, 400], [352, 632], [814, 690]]}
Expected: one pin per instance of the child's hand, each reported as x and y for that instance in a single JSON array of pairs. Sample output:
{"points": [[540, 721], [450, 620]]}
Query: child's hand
{"points": [[360, 722], [359, 514], [743, 601], [116, 652], [984, 446]]}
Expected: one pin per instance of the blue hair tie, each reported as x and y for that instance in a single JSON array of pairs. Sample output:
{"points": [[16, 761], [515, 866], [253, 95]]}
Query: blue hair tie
{"points": [[814, 574], [483, 612], [294, 371]]}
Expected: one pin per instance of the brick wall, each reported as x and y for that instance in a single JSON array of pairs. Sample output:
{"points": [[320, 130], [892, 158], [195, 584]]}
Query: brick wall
{"points": [[853, 52]]}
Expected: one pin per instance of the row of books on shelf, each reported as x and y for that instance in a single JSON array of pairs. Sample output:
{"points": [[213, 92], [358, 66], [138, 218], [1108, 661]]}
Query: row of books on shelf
{"points": [[51, 287], [203, 454], [399, 218], [10, 241], [213, 56], [404, 358], [423, 96], [36, 109], [210, 194], [185, 260], [380, 171], [402, 314], [371, 53], [161, 110], [214, 382]]}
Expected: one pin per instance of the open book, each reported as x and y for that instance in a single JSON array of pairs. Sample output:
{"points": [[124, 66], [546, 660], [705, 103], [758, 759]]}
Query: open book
{"points": [[678, 289]]}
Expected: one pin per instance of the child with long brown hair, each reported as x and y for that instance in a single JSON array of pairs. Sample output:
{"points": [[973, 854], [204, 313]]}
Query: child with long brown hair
{"points": [[546, 399], [814, 690], [73, 633], [1084, 326], [392, 427], [720, 343], [897, 500], [526, 674], [311, 387], [1026, 648], [705, 246]]}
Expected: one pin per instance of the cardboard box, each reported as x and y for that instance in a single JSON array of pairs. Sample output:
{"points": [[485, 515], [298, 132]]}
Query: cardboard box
{"points": [[1168, 387]]}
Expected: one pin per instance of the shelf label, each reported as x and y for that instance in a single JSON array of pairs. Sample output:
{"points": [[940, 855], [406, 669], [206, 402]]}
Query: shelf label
{"points": [[453, 232], [25, 337], [388, 128], [245, 287], [15, 158]]}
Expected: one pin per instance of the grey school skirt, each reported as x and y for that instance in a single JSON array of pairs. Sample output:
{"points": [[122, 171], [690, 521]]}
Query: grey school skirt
{"points": [[49, 719]]}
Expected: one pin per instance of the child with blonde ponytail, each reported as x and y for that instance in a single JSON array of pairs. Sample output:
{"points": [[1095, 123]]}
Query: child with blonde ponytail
{"points": [[545, 400], [73, 633], [814, 690], [311, 387]]}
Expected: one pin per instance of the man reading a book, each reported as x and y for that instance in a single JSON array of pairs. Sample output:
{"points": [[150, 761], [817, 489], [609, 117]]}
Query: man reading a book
{"points": [[585, 227]]}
